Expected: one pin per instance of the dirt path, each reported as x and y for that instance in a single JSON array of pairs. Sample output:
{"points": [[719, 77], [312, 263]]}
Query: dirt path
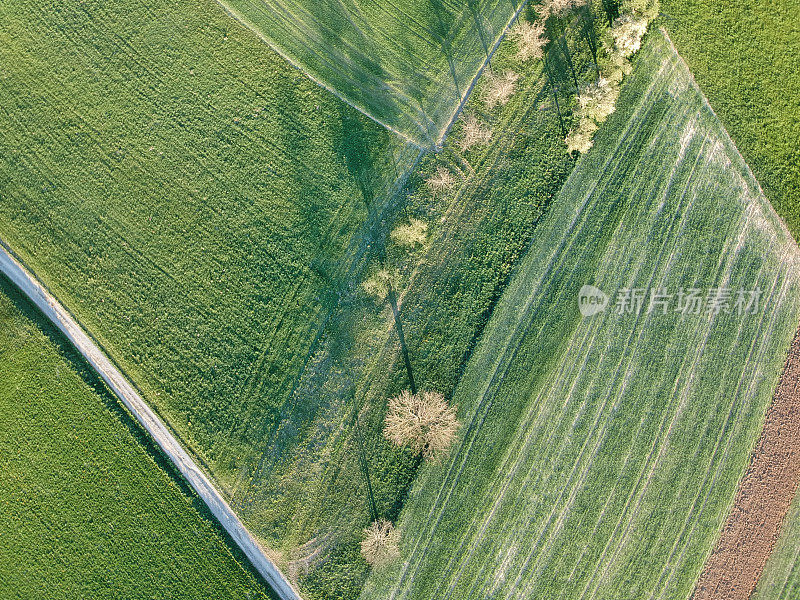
{"points": [[762, 501], [56, 313], [488, 61]]}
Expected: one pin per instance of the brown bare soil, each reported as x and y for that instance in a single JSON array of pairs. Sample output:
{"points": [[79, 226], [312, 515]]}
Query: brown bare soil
{"points": [[748, 538]]}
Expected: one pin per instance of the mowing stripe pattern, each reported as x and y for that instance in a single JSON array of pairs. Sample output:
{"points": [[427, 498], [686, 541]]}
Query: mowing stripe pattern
{"points": [[600, 455]]}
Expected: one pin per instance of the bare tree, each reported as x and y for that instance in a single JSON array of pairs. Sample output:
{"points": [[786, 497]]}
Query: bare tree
{"points": [[560, 8], [500, 88], [628, 31], [475, 132], [381, 543], [530, 39], [598, 100], [441, 181], [414, 234], [424, 422], [581, 138], [647, 9], [380, 282]]}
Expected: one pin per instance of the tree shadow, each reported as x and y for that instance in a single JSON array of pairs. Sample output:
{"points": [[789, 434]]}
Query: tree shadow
{"points": [[358, 59], [440, 24]]}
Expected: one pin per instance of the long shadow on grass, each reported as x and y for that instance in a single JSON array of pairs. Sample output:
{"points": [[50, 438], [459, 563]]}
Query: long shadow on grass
{"points": [[325, 381]]}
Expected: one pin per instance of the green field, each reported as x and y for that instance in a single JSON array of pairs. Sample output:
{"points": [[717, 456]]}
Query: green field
{"points": [[407, 63], [744, 57], [198, 204], [600, 455], [88, 507], [208, 214], [781, 577], [448, 288]]}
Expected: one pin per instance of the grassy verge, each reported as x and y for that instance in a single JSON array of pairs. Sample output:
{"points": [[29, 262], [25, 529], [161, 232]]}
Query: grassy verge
{"points": [[599, 456], [744, 57], [90, 509], [476, 231]]}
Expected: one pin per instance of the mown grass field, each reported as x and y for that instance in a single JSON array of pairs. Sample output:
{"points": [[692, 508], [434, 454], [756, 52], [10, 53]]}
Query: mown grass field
{"points": [[477, 231], [89, 508], [744, 57], [209, 214], [781, 577], [197, 203], [407, 63], [599, 456]]}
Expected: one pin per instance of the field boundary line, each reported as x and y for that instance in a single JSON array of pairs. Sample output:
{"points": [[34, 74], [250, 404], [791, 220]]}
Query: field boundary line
{"points": [[734, 566], [468, 93], [763, 497], [149, 420], [237, 16], [727, 137], [242, 20]]}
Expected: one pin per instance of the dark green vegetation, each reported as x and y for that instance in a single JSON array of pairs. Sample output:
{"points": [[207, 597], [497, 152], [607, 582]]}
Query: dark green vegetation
{"points": [[600, 455], [407, 63], [200, 206], [88, 508], [478, 229], [744, 56], [209, 215]]}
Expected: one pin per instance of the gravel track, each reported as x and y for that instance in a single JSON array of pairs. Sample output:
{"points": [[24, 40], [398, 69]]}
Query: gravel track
{"points": [[154, 426]]}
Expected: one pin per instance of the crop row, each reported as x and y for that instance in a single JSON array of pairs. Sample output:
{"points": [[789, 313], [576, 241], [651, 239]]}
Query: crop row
{"points": [[600, 454]]}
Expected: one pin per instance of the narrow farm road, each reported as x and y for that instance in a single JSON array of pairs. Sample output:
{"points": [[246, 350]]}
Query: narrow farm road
{"points": [[488, 61], [154, 426], [762, 501]]}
